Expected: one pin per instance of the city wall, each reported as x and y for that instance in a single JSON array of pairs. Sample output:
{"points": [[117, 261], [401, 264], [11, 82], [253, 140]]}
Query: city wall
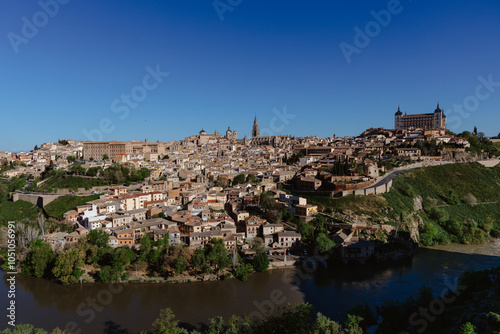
{"points": [[36, 199], [368, 191]]}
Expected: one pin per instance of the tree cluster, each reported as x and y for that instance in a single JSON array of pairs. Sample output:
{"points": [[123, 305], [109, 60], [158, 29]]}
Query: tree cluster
{"points": [[479, 143], [297, 319]]}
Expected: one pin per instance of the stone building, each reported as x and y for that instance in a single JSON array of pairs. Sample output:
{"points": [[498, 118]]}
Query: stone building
{"points": [[230, 135], [435, 120], [97, 149]]}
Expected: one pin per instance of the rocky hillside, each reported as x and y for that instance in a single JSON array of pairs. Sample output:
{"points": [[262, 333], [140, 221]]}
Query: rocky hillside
{"points": [[440, 204]]}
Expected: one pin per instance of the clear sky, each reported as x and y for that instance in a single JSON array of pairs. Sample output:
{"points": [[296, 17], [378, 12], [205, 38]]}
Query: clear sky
{"points": [[82, 69]]}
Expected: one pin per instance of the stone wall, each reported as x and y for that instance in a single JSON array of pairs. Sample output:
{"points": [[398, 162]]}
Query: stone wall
{"points": [[368, 191], [489, 163], [36, 199], [353, 186]]}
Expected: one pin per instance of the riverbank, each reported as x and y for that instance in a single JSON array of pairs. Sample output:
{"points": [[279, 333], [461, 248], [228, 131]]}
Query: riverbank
{"points": [[133, 307]]}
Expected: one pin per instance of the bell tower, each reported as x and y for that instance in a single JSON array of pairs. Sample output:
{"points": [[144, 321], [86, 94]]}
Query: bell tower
{"points": [[255, 129]]}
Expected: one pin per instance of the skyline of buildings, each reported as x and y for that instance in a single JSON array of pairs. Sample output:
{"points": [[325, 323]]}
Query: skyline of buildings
{"points": [[160, 70], [114, 147]]}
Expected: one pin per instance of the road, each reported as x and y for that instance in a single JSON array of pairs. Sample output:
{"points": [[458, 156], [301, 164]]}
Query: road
{"points": [[388, 177]]}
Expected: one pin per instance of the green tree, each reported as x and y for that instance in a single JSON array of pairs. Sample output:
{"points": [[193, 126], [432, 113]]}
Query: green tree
{"points": [[366, 313], [324, 243], [242, 271], [467, 328], [267, 201], [142, 174], [452, 198], [216, 325], [325, 325], [122, 257], [105, 157], [291, 320], [38, 260], [238, 179], [76, 168], [217, 254], [351, 325], [304, 229], [261, 262], [166, 323], [67, 268], [107, 274], [180, 266], [199, 261], [93, 171], [252, 179], [257, 244], [24, 329], [145, 245], [100, 238]]}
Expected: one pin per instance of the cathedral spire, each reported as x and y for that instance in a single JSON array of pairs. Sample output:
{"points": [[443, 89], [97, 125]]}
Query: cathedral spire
{"points": [[255, 129]]}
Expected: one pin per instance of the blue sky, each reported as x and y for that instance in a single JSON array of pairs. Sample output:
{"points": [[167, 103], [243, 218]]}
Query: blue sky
{"points": [[67, 78]]}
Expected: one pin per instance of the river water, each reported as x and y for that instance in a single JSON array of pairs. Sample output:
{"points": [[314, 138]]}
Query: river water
{"points": [[101, 308]]}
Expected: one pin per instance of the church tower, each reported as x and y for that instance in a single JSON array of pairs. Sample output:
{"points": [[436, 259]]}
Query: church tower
{"points": [[398, 120], [439, 120], [255, 129]]}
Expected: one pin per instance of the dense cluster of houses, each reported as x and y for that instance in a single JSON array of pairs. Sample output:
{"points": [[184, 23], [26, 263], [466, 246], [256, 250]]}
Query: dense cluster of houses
{"points": [[128, 216], [191, 181]]}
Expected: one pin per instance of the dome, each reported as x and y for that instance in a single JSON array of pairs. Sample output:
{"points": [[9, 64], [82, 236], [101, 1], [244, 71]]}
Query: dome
{"points": [[399, 113], [438, 109]]}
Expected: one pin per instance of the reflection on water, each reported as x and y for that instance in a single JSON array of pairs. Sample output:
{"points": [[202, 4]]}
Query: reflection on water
{"points": [[332, 291], [135, 306], [335, 290]]}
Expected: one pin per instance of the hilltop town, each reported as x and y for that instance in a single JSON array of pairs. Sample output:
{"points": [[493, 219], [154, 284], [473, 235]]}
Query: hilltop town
{"points": [[214, 186]]}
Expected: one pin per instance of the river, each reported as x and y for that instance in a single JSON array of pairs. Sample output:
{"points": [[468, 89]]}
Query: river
{"points": [[101, 308]]}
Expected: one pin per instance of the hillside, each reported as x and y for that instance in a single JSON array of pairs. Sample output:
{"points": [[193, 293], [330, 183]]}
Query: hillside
{"points": [[60, 181], [14, 211], [62, 204], [454, 202]]}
